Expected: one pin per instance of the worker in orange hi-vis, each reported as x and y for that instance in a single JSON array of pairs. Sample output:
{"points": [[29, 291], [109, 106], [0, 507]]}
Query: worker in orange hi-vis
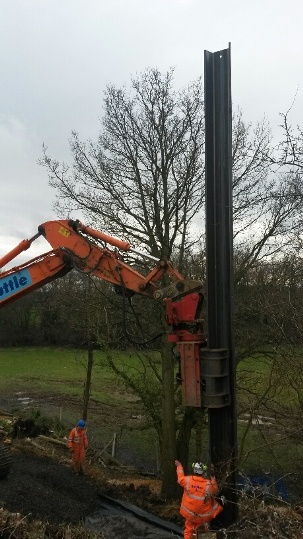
{"points": [[77, 443], [198, 505]]}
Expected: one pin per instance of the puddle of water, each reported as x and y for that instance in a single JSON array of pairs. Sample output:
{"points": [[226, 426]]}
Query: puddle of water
{"points": [[24, 400]]}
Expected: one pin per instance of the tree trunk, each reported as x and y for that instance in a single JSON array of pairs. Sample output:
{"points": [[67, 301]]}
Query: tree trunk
{"points": [[87, 386], [169, 488], [184, 434], [199, 433]]}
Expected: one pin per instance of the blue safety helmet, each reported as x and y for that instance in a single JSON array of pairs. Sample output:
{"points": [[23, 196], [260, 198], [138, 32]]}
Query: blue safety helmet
{"points": [[81, 424]]}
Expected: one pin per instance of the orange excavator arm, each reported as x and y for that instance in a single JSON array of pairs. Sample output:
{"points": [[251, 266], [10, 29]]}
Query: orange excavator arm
{"points": [[24, 279], [94, 257], [76, 246]]}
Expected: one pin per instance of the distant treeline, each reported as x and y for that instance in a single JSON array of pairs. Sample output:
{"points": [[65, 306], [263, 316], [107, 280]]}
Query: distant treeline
{"points": [[77, 310]]}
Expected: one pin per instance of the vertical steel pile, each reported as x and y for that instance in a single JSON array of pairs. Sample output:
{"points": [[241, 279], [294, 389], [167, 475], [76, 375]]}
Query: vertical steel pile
{"points": [[219, 255]]}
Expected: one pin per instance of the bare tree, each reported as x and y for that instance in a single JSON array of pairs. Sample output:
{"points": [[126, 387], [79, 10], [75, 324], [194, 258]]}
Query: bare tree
{"points": [[265, 210], [291, 146], [290, 161], [269, 333], [144, 180]]}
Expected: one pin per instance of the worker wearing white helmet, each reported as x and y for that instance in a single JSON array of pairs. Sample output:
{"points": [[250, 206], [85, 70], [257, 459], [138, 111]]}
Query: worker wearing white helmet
{"points": [[198, 505]]}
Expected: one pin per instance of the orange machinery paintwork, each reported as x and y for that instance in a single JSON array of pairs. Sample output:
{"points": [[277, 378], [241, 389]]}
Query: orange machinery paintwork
{"points": [[40, 271], [76, 246], [73, 249]]}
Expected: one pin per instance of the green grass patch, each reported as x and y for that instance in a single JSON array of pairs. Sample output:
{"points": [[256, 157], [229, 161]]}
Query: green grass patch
{"points": [[271, 388], [277, 378], [267, 450], [64, 371]]}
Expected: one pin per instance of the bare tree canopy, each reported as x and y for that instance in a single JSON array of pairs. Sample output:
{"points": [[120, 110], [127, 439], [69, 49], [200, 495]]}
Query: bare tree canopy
{"points": [[143, 177]]}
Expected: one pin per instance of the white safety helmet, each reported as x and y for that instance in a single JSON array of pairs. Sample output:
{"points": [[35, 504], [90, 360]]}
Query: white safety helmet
{"points": [[199, 468]]}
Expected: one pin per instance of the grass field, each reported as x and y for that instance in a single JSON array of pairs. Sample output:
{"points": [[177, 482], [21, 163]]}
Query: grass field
{"points": [[270, 394], [57, 376], [54, 379], [61, 370]]}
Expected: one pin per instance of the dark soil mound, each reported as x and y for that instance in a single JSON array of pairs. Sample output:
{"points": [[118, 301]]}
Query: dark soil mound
{"points": [[44, 489], [41, 488]]}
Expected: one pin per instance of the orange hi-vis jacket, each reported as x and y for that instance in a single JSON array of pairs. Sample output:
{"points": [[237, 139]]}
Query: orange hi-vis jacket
{"points": [[198, 502], [77, 441]]}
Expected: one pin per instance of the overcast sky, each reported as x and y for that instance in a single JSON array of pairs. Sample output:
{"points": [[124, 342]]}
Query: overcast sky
{"points": [[57, 56]]}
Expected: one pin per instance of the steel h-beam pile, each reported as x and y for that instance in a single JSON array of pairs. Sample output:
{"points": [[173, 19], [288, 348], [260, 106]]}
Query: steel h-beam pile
{"points": [[219, 355]]}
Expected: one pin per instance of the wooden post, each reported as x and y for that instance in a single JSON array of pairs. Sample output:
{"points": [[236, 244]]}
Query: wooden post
{"points": [[114, 444]]}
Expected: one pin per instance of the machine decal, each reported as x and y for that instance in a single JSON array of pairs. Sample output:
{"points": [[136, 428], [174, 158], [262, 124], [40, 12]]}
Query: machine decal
{"points": [[64, 232], [12, 284]]}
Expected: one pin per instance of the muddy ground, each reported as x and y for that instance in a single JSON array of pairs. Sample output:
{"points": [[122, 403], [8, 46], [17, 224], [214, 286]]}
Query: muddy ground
{"points": [[42, 488]]}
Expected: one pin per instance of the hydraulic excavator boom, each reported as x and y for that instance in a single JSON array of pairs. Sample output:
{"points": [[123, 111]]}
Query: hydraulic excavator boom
{"points": [[76, 246]]}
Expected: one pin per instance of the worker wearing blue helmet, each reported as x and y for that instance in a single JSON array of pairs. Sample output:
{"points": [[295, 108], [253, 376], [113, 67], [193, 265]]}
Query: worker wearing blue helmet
{"points": [[77, 443]]}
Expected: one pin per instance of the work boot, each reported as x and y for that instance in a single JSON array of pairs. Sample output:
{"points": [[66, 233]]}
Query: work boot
{"points": [[204, 528]]}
